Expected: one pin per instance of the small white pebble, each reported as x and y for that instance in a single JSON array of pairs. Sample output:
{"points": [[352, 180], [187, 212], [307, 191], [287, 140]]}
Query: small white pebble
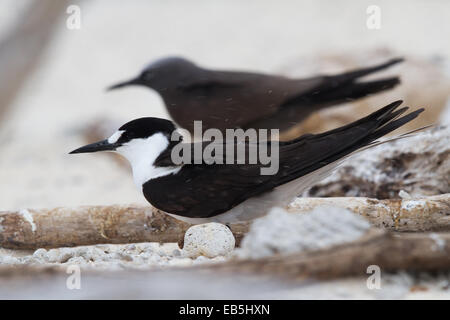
{"points": [[209, 240], [76, 260], [40, 253], [53, 255]]}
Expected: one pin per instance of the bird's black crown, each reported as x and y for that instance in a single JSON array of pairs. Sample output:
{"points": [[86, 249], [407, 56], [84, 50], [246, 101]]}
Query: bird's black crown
{"points": [[144, 128], [163, 74], [163, 70], [169, 62]]}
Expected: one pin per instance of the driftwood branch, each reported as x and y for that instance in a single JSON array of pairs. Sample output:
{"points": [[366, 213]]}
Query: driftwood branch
{"points": [[424, 214], [391, 252], [66, 227]]}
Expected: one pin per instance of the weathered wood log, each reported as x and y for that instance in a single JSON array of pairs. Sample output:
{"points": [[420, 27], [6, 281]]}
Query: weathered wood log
{"points": [[389, 251], [66, 227], [423, 214], [31, 229]]}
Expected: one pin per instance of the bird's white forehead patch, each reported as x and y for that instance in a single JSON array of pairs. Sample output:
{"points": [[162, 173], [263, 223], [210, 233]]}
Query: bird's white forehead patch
{"points": [[116, 136]]}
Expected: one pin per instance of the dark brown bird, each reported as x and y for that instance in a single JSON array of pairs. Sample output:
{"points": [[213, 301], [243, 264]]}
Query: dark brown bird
{"points": [[227, 99]]}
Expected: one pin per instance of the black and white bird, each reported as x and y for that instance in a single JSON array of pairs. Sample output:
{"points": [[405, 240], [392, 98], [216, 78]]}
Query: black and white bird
{"points": [[228, 99], [226, 193]]}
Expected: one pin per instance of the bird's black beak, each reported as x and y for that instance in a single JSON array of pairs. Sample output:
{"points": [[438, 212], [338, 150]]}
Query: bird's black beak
{"points": [[103, 145], [135, 81]]}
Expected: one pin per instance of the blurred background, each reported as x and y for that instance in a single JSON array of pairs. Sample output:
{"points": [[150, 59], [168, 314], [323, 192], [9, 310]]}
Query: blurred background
{"points": [[53, 75]]}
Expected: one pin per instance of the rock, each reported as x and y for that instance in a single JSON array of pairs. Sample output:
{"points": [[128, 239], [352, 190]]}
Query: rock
{"points": [[418, 165], [40, 254], [53, 255], [281, 232], [209, 240]]}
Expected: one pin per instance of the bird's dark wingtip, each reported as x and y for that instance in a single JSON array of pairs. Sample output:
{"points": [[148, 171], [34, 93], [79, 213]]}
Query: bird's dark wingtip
{"points": [[419, 111], [390, 107]]}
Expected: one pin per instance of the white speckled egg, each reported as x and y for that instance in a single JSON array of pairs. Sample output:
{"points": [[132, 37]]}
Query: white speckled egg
{"points": [[210, 240]]}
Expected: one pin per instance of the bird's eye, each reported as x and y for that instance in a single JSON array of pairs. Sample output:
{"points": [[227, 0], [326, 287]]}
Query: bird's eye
{"points": [[125, 137], [130, 135]]}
